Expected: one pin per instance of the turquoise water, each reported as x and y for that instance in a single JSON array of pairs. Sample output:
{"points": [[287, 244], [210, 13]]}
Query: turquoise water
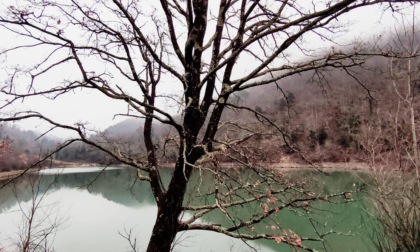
{"points": [[97, 208]]}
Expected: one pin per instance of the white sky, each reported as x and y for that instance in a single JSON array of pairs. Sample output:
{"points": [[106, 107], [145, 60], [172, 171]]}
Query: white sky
{"points": [[97, 110]]}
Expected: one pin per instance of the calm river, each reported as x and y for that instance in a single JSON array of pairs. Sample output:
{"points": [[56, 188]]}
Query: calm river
{"points": [[94, 209]]}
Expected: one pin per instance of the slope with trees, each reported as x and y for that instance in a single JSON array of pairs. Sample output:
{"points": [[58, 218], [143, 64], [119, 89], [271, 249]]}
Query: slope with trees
{"points": [[23, 148]]}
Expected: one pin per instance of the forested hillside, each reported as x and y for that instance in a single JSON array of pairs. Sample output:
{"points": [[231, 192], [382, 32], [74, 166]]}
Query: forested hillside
{"points": [[368, 113], [357, 116], [21, 148]]}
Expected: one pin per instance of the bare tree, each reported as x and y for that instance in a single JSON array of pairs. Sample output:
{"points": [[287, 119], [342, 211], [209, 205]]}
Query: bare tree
{"points": [[129, 50], [405, 80], [40, 219], [4, 147], [396, 211], [394, 129], [392, 145]]}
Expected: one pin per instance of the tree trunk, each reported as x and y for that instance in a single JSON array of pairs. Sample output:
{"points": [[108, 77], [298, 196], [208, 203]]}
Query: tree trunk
{"points": [[414, 139], [169, 209], [164, 231], [411, 101]]}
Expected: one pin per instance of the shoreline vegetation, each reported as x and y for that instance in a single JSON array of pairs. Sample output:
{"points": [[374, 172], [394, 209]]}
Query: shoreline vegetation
{"points": [[284, 166]]}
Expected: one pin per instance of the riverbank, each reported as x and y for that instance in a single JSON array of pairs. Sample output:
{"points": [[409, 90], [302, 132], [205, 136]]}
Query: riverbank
{"points": [[7, 175], [285, 166], [328, 166]]}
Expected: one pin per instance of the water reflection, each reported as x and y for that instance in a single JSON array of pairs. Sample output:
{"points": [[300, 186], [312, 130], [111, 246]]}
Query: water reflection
{"points": [[99, 204], [97, 208]]}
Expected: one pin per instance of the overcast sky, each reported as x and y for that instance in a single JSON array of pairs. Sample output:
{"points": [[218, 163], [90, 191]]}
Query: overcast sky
{"points": [[97, 110]]}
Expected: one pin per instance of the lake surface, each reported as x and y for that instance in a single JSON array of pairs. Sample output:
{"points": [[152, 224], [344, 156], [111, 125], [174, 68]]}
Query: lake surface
{"points": [[95, 208]]}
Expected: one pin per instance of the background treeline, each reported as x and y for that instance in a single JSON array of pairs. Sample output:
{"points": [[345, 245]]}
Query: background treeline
{"points": [[338, 121], [21, 148], [367, 113]]}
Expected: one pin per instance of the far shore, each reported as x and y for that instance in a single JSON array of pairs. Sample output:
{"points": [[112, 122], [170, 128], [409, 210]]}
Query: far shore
{"points": [[285, 166]]}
